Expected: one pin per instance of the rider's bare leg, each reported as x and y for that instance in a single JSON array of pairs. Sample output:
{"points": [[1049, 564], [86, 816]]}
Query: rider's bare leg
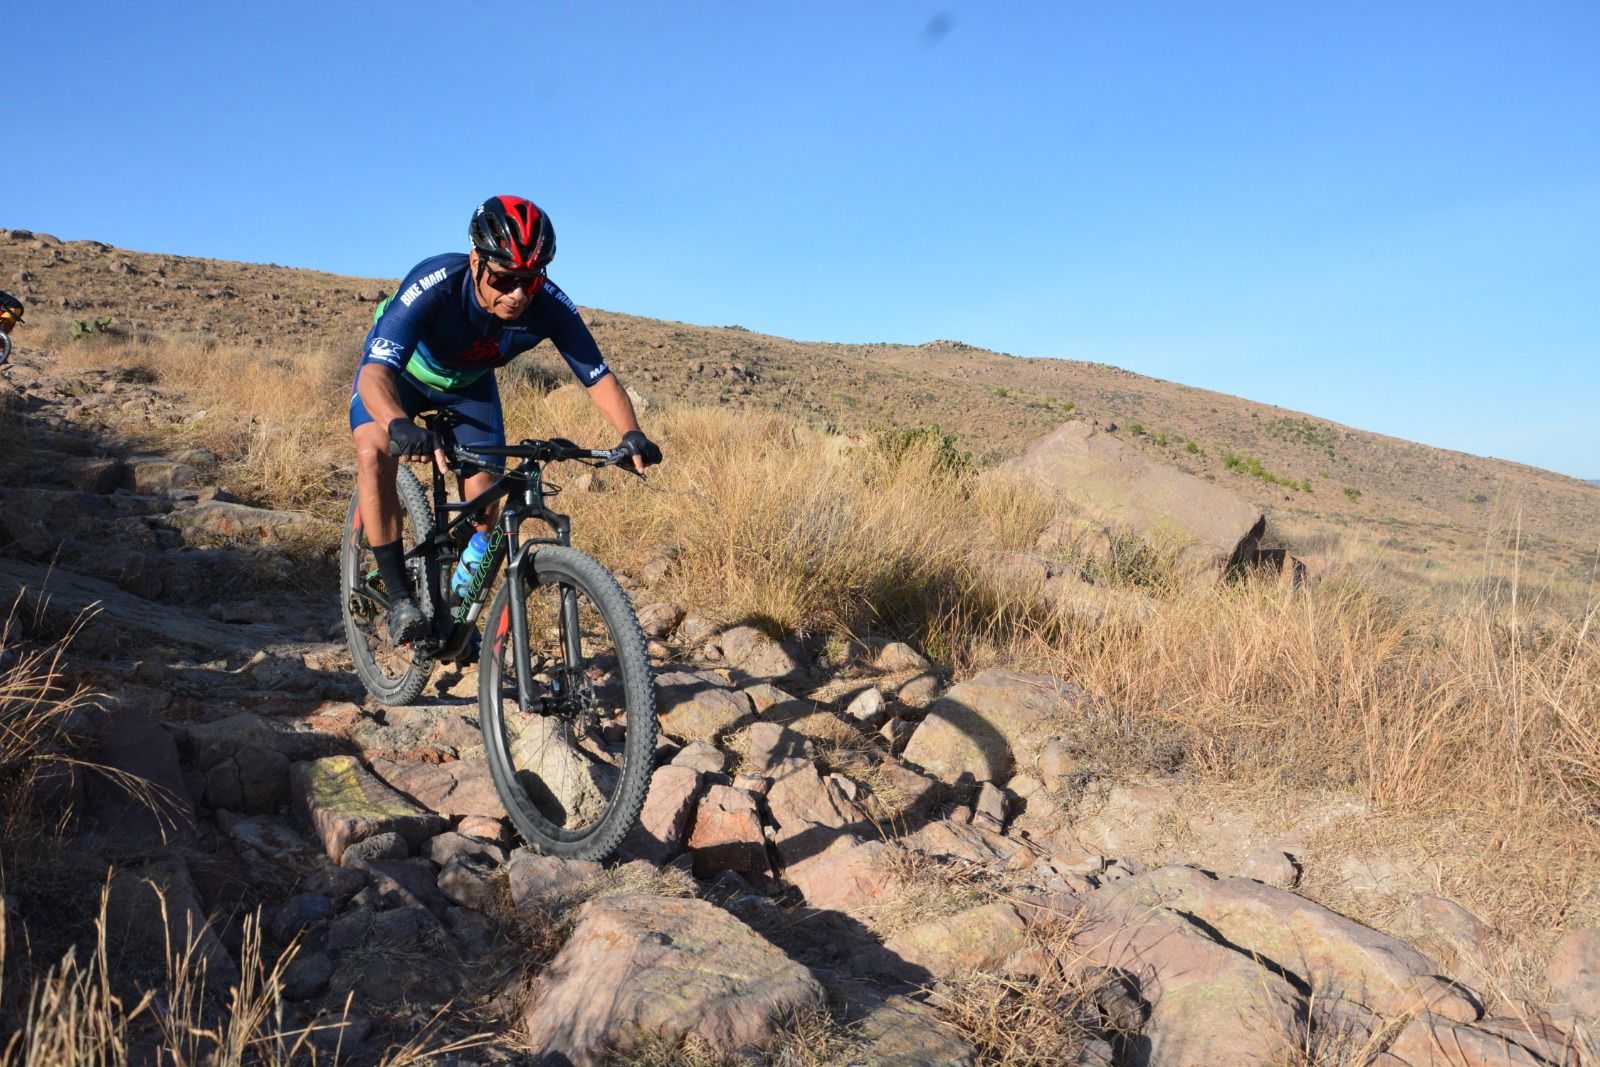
{"points": [[377, 497], [476, 484]]}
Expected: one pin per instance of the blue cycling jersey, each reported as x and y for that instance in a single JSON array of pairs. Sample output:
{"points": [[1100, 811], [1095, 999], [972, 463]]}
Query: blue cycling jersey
{"points": [[434, 330]]}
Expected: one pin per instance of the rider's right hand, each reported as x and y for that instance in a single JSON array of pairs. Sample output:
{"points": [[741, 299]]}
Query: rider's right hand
{"points": [[406, 438]]}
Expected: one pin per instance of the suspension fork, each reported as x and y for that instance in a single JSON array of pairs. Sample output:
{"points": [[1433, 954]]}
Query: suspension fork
{"points": [[517, 603]]}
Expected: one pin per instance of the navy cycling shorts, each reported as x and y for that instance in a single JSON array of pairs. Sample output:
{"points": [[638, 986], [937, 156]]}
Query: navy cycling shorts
{"points": [[477, 406]]}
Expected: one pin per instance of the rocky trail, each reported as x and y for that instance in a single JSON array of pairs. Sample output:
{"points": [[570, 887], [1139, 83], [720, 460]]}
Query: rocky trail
{"points": [[909, 871]]}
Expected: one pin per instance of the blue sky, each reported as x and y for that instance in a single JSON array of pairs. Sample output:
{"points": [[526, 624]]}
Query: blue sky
{"points": [[1383, 214]]}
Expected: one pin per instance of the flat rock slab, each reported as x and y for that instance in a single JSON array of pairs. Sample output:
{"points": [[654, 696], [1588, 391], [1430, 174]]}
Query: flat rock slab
{"points": [[642, 967], [698, 705], [1331, 953], [118, 615], [210, 743], [157, 904], [1574, 971], [343, 803], [1432, 1041], [978, 939], [1209, 1005], [900, 1032], [964, 841], [245, 523], [982, 729], [459, 787], [538, 881], [847, 875]]}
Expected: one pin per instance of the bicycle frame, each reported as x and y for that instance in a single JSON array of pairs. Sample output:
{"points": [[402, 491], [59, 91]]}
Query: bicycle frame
{"points": [[505, 543]]}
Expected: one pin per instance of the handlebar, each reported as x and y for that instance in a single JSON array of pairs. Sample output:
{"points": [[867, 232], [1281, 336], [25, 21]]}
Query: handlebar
{"points": [[536, 451]]}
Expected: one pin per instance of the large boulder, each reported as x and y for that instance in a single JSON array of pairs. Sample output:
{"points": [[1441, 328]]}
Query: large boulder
{"points": [[1117, 486], [983, 728], [668, 968]]}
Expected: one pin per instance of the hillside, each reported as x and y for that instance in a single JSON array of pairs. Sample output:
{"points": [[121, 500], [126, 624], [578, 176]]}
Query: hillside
{"points": [[1429, 512]]}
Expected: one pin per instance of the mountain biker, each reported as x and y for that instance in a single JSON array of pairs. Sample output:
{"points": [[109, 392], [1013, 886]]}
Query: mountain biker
{"points": [[435, 345], [10, 315]]}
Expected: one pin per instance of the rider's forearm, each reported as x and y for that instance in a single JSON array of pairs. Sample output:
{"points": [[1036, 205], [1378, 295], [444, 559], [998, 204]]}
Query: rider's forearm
{"points": [[379, 394], [612, 400]]}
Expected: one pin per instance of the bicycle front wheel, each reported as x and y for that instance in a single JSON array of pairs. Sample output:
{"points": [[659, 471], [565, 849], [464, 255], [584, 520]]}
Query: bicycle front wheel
{"points": [[572, 770]]}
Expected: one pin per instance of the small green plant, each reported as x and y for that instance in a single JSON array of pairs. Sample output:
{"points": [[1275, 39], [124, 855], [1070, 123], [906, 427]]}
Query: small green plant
{"points": [[1252, 466], [1136, 428], [90, 327], [1001, 390], [1303, 432], [1192, 448], [1161, 439], [1069, 405], [1352, 492], [897, 442]]}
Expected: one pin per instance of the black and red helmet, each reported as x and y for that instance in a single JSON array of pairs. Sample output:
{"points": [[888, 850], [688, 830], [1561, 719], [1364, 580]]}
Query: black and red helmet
{"points": [[513, 234]]}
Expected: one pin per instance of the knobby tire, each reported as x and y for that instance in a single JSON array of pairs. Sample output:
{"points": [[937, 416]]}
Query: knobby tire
{"points": [[603, 782]]}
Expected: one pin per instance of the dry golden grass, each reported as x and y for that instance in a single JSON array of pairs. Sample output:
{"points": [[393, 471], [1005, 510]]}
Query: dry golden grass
{"points": [[276, 422], [80, 1013], [35, 707], [1039, 1018], [812, 1039]]}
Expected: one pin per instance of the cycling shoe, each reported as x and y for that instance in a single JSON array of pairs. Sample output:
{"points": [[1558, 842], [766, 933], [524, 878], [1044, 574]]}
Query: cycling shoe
{"points": [[406, 620]]}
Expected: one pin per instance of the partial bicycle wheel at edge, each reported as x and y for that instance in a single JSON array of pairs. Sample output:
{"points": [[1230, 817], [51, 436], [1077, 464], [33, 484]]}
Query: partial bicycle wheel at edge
{"points": [[393, 674], [572, 773]]}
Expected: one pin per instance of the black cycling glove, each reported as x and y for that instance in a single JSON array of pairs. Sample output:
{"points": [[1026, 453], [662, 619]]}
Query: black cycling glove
{"points": [[637, 444], [406, 438]]}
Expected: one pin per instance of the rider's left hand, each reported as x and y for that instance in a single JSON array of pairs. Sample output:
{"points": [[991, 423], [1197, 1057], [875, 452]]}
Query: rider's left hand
{"points": [[645, 452]]}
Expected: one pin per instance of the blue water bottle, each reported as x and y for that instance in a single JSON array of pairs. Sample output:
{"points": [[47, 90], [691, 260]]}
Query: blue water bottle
{"points": [[471, 557]]}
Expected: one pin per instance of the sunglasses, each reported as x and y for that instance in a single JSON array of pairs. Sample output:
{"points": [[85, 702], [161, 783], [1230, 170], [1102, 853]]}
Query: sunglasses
{"points": [[506, 281]]}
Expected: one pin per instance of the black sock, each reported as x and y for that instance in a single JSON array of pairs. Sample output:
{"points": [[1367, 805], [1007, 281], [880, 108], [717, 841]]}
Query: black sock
{"points": [[392, 568]]}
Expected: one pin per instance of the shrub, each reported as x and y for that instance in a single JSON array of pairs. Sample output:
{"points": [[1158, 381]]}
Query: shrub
{"points": [[84, 328], [1352, 492]]}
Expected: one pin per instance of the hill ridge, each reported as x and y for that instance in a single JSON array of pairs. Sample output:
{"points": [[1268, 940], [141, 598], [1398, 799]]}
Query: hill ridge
{"points": [[1318, 479]]}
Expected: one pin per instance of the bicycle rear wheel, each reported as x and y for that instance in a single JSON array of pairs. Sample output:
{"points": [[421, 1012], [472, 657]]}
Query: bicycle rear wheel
{"points": [[572, 771], [393, 674]]}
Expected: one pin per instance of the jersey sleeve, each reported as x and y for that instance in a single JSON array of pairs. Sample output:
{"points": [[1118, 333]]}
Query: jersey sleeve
{"points": [[398, 328], [568, 332]]}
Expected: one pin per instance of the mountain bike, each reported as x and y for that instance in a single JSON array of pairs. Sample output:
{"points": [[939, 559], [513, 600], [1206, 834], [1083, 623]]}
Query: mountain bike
{"points": [[566, 702]]}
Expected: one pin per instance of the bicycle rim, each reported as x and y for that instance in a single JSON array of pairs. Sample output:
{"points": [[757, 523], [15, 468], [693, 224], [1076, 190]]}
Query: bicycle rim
{"points": [[573, 769]]}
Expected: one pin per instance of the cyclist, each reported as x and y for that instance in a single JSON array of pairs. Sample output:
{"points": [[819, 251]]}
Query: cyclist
{"points": [[436, 343], [10, 315]]}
